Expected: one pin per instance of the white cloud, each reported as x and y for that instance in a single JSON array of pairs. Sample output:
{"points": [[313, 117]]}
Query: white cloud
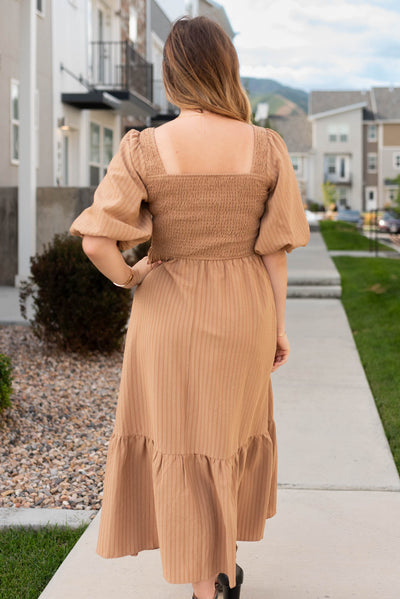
{"points": [[348, 44]]}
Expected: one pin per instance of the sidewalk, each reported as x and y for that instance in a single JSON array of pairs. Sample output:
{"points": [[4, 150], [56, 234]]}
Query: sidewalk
{"points": [[336, 533]]}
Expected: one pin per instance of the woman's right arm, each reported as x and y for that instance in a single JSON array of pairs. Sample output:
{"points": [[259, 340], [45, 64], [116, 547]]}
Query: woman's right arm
{"points": [[276, 266]]}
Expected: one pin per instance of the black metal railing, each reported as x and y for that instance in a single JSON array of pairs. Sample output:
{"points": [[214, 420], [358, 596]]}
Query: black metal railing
{"points": [[118, 66]]}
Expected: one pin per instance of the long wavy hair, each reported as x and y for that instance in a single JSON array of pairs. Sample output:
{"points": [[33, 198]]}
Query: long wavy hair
{"points": [[201, 69]]}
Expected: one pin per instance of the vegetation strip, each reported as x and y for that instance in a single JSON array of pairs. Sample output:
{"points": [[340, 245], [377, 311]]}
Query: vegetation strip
{"points": [[339, 235], [371, 298], [29, 558]]}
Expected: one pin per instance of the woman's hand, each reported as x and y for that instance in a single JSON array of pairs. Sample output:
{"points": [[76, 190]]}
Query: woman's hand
{"points": [[143, 267], [282, 352]]}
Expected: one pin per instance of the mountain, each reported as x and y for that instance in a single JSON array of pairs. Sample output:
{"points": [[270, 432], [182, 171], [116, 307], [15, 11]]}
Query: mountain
{"points": [[282, 99]]}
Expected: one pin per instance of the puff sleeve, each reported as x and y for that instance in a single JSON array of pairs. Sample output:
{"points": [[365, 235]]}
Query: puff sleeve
{"points": [[283, 224], [118, 211]]}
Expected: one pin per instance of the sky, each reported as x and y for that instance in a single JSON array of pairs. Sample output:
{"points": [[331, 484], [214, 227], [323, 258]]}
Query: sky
{"points": [[316, 44]]}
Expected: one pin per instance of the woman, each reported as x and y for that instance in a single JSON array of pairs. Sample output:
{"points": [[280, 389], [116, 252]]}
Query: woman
{"points": [[192, 461]]}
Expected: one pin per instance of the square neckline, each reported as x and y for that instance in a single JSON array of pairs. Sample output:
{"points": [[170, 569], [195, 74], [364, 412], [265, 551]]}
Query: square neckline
{"points": [[164, 172]]}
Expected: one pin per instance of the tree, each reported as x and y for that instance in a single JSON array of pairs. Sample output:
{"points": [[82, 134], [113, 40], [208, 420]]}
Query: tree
{"points": [[329, 193], [396, 206]]}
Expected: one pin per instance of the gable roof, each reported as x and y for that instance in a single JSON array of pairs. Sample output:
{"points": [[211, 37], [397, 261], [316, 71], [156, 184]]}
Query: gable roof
{"points": [[296, 131], [323, 101], [386, 102]]}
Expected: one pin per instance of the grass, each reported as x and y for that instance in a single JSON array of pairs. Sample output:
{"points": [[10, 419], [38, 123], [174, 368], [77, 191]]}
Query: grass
{"points": [[340, 235], [371, 298], [29, 558]]}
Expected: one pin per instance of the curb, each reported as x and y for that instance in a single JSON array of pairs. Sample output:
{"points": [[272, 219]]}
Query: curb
{"points": [[39, 517]]}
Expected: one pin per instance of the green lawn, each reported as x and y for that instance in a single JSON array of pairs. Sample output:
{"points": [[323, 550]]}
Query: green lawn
{"points": [[339, 235], [29, 558], [371, 298]]}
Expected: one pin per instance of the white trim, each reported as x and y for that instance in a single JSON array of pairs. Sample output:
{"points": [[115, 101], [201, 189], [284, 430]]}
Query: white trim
{"points": [[327, 113], [384, 121]]}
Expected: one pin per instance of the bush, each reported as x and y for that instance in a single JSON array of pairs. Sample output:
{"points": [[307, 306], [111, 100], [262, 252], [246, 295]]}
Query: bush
{"points": [[5, 382], [75, 306]]}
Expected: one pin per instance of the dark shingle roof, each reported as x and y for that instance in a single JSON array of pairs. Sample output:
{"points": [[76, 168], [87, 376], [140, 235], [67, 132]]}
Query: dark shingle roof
{"points": [[387, 102], [295, 130], [321, 101]]}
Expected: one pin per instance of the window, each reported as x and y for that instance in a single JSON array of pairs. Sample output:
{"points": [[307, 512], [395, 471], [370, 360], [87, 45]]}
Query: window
{"points": [[14, 112], [342, 163], [133, 28], [331, 165], [296, 162], [396, 160], [343, 132], [372, 159], [66, 159], [40, 7], [101, 152], [372, 133], [332, 132], [338, 133], [342, 196], [14, 117]]}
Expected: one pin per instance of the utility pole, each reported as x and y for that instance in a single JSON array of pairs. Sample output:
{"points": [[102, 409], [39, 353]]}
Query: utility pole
{"points": [[27, 153]]}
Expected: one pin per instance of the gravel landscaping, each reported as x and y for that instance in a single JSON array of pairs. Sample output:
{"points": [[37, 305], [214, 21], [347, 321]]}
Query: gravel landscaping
{"points": [[54, 438]]}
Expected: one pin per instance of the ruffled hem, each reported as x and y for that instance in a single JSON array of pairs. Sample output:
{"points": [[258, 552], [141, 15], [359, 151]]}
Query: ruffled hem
{"points": [[192, 507]]}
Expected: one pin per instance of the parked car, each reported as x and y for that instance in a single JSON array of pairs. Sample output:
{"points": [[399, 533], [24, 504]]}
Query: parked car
{"points": [[312, 217], [350, 216], [390, 222]]}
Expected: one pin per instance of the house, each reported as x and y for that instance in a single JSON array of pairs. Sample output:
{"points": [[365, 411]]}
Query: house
{"points": [[296, 132], [75, 75], [356, 144]]}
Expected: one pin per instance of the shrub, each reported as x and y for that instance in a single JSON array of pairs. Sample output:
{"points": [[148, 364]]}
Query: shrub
{"points": [[5, 382], [75, 306]]}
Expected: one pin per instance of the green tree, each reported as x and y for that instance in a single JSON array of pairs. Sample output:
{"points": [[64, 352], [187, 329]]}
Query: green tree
{"points": [[329, 194], [396, 206]]}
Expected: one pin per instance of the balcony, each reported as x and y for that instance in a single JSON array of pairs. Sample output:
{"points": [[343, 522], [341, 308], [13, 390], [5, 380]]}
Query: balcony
{"points": [[118, 71]]}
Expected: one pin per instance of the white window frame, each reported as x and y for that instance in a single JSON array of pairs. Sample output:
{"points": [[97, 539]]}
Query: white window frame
{"points": [[40, 11], [16, 123], [396, 160], [103, 164], [342, 196], [332, 164], [343, 131], [372, 156], [297, 164], [13, 121], [332, 133], [371, 137]]}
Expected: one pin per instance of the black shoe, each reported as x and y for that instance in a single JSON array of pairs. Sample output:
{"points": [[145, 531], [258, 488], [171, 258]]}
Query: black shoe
{"points": [[218, 585], [234, 592]]}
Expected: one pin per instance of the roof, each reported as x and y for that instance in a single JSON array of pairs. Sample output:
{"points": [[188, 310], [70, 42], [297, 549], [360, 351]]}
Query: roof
{"points": [[323, 101], [215, 11], [387, 102], [296, 131]]}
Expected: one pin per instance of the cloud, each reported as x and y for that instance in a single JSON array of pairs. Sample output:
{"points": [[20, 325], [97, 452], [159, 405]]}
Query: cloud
{"points": [[349, 44]]}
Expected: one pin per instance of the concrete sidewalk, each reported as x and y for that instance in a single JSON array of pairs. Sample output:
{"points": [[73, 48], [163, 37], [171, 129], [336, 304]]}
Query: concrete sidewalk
{"points": [[336, 533]]}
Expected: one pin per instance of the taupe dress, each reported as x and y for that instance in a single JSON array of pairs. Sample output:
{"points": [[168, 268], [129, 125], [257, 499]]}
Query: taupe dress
{"points": [[192, 461]]}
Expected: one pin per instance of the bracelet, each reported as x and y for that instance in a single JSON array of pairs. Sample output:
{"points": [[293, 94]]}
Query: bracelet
{"points": [[282, 334], [131, 279]]}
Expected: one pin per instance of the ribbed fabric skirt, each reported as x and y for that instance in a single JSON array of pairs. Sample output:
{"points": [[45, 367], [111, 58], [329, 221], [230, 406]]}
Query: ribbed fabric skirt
{"points": [[192, 461]]}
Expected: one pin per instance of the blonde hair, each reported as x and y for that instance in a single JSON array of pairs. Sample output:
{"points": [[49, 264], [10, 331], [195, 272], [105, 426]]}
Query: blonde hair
{"points": [[201, 69]]}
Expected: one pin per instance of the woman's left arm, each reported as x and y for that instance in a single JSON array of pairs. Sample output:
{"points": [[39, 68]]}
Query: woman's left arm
{"points": [[105, 255]]}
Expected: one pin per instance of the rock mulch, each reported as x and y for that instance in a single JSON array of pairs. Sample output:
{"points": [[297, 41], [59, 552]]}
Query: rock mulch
{"points": [[54, 438]]}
